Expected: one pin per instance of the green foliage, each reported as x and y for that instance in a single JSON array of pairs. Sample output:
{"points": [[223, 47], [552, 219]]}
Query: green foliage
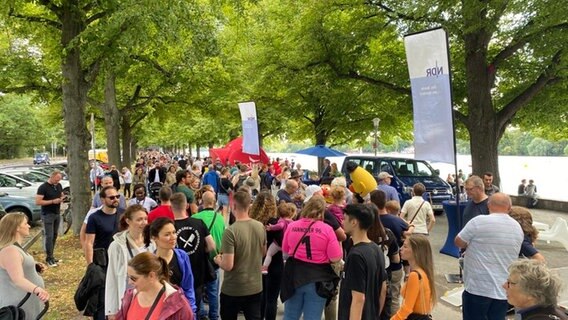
{"points": [[22, 127]]}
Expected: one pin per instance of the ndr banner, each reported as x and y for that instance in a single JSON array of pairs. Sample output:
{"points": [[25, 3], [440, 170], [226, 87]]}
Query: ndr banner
{"points": [[428, 65], [250, 128]]}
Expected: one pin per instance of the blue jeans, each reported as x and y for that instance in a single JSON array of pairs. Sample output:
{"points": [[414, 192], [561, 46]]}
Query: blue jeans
{"points": [[483, 308], [305, 300], [212, 291]]}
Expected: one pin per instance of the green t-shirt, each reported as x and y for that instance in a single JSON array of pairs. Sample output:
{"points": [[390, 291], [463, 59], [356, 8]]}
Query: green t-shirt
{"points": [[187, 191], [216, 230], [246, 240]]}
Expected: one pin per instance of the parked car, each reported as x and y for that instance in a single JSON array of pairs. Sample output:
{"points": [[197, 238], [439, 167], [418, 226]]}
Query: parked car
{"points": [[2, 211], [41, 158], [35, 176], [15, 186], [21, 204], [406, 172]]}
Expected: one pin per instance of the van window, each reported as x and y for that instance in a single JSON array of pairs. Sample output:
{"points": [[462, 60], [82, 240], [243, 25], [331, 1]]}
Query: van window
{"points": [[368, 165], [411, 167]]}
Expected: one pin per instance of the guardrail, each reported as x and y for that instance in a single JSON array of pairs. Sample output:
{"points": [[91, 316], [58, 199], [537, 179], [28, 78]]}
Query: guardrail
{"points": [[554, 205]]}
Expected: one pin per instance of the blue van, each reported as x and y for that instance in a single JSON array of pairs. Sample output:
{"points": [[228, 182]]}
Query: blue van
{"points": [[406, 172]]}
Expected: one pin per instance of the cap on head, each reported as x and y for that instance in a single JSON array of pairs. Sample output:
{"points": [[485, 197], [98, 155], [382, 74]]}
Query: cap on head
{"points": [[310, 191], [383, 175]]}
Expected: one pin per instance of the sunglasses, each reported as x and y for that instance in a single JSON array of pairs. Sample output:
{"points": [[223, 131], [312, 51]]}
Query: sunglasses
{"points": [[113, 197]]}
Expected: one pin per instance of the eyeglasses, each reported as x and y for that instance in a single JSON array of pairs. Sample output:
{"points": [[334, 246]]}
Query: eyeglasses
{"points": [[509, 283], [113, 197]]}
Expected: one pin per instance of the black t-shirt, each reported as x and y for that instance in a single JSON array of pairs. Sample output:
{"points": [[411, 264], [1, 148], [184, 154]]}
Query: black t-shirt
{"points": [[191, 234], [226, 186], [103, 226], [473, 210], [49, 192], [364, 272], [175, 271]]}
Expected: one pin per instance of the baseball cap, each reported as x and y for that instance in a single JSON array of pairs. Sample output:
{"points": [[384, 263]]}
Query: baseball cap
{"points": [[383, 175], [310, 191]]}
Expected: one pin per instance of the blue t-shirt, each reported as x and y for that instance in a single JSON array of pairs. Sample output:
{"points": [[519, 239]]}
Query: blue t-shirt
{"points": [[527, 248], [396, 224]]}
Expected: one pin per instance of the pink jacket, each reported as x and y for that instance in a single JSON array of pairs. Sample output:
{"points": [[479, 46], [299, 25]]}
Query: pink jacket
{"points": [[176, 306]]}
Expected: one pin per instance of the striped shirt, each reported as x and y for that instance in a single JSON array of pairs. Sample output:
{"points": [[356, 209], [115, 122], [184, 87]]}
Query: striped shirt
{"points": [[493, 242]]}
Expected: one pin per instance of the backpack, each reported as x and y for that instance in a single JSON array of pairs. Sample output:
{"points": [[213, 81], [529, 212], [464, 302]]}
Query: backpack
{"points": [[14, 312]]}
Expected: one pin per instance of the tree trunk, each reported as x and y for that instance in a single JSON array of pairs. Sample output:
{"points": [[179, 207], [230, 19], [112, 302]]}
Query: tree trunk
{"points": [[198, 154], [134, 149], [126, 132], [112, 120], [481, 122], [75, 89]]}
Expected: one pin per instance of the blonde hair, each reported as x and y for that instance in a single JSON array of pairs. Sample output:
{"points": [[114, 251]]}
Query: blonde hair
{"points": [[287, 210], [422, 252], [9, 226], [393, 206], [314, 208], [338, 194], [524, 218]]}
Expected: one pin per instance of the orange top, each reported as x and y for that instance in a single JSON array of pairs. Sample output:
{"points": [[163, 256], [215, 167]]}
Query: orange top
{"points": [[416, 300], [136, 311]]}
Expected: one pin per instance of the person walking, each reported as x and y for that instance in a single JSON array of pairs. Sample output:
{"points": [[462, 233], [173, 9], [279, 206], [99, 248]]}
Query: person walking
{"points": [[49, 197], [18, 270]]}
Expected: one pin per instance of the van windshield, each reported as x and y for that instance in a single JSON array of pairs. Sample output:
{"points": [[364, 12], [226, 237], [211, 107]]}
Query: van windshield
{"points": [[412, 168]]}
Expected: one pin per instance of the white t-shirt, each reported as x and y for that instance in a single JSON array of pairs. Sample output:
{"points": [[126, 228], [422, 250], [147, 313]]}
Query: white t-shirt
{"points": [[148, 203], [493, 242]]}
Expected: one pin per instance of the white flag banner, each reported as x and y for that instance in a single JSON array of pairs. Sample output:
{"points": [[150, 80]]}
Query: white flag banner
{"points": [[250, 128], [427, 56]]}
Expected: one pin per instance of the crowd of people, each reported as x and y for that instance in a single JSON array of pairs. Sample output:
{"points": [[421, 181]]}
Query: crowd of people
{"points": [[324, 250]]}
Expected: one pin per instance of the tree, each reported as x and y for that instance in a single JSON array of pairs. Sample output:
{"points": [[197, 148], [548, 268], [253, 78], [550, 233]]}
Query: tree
{"points": [[504, 55]]}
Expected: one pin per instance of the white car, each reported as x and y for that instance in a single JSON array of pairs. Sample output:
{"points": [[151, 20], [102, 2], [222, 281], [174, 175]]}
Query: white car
{"points": [[15, 186], [36, 177]]}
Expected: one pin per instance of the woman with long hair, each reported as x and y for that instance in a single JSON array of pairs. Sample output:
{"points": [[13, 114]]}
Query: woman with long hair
{"points": [[419, 292], [18, 270], [125, 246], [163, 232], [263, 209], [139, 176], [225, 188], [530, 233], [171, 176], [312, 246], [151, 295]]}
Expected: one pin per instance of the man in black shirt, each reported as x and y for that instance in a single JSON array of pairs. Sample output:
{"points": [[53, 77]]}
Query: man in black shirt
{"points": [[49, 197], [477, 205], [363, 288], [192, 237]]}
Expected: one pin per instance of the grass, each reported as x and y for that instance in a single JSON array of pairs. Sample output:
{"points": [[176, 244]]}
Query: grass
{"points": [[62, 281]]}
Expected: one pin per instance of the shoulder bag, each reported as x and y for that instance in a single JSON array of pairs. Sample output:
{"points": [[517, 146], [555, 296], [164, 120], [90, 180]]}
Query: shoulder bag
{"points": [[289, 270], [419, 316], [210, 266]]}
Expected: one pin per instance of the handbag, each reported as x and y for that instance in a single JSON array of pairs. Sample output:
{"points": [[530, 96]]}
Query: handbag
{"points": [[17, 313], [419, 316], [327, 289]]}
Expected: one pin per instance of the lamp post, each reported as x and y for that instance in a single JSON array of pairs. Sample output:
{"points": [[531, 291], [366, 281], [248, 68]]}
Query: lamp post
{"points": [[376, 122]]}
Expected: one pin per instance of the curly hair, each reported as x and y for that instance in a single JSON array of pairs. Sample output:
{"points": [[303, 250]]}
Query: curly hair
{"points": [[524, 218], [536, 280], [263, 208]]}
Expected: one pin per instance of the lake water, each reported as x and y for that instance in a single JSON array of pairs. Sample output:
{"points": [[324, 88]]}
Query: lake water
{"points": [[550, 174]]}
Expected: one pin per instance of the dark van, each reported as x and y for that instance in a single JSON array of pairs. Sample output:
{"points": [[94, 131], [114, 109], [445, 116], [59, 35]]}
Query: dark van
{"points": [[406, 172]]}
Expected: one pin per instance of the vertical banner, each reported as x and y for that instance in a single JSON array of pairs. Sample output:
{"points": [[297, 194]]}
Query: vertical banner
{"points": [[427, 56], [250, 128]]}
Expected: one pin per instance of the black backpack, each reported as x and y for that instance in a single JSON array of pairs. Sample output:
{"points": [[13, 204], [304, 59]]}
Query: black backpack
{"points": [[17, 313]]}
